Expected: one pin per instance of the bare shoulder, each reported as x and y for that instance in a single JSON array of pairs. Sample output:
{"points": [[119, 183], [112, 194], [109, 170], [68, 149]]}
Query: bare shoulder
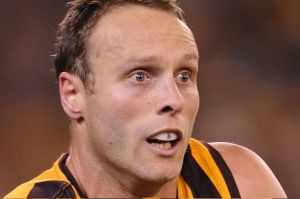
{"points": [[253, 176]]}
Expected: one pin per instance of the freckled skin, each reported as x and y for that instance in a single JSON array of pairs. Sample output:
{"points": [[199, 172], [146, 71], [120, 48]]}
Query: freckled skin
{"points": [[122, 112]]}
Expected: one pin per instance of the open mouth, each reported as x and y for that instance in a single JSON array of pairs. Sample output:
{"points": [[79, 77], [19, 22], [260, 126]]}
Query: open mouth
{"points": [[164, 140]]}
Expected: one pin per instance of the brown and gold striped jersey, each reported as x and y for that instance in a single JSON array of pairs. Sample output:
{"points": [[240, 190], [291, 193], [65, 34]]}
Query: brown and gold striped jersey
{"points": [[204, 175]]}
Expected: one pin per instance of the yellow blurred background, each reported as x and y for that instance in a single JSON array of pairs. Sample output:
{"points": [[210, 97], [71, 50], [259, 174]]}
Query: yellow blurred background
{"points": [[249, 83]]}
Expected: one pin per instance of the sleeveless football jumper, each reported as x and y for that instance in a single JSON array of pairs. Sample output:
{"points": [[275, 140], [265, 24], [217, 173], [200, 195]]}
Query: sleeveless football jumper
{"points": [[204, 175]]}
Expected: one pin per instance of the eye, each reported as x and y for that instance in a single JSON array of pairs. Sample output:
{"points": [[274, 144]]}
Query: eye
{"points": [[139, 77], [183, 76]]}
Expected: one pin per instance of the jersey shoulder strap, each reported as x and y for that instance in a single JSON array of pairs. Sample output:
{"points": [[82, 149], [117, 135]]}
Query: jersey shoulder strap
{"points": [[205, 174], [52, 183]]}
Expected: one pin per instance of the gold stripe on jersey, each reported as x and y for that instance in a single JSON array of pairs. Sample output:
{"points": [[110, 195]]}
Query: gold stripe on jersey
{"points": [[183, 190], [204, 158], [52, 174], [205, 174], [200, 177]]}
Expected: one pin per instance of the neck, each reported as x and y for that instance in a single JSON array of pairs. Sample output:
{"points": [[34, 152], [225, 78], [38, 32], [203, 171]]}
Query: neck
{"points": [[96, 182]]}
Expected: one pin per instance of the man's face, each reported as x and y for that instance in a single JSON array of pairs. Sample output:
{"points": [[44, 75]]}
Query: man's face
{"points": [[145, 100]]}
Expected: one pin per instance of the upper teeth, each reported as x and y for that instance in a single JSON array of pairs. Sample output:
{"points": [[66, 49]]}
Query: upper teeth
{"points": [[166, 136]]}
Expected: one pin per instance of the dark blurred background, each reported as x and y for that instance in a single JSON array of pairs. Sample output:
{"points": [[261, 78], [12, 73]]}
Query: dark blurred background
{"points": [[249, 83]]}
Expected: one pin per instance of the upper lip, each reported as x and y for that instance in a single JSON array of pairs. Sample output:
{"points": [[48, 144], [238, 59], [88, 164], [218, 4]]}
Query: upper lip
{"points": [[177, 131]]}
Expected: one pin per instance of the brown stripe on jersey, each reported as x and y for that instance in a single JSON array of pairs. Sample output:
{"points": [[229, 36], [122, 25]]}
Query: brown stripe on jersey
{"points": [[231, 184], [51, 189], [199, 183], [68, 174]]}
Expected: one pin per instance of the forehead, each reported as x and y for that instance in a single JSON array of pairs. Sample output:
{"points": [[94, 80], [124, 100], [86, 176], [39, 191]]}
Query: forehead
{"points": [[138, 27]]}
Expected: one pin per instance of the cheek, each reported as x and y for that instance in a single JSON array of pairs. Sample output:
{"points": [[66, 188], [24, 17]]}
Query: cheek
{"points": [[122, 107], [192, 103], [117, 111], [107, 124], [191, 109], [130, 103]]}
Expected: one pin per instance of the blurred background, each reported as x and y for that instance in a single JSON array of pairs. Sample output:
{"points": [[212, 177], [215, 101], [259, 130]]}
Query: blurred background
{"points": [[249, 83]]}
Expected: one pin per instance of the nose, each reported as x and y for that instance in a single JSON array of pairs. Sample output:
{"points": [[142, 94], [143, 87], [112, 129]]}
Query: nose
{"points": [[171, 100]]}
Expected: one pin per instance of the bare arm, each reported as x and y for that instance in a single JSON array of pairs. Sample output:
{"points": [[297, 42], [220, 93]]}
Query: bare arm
{"points": [[253, 176]]}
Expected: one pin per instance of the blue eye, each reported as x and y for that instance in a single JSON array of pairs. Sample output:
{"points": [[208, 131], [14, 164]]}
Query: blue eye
{"points": [[184, 76], [140, 76]]}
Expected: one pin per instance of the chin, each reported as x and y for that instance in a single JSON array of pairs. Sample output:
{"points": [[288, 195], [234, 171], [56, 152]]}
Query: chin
{"points": [[161, 173]]}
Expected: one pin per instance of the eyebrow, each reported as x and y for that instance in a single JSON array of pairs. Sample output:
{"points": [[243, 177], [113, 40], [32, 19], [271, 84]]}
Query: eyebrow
{"points": [[143, 59], [150, 61], [190, 56], [156, 59]]}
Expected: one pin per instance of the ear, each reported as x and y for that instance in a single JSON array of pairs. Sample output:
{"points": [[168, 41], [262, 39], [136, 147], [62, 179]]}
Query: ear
{"points": [[71, 92]]}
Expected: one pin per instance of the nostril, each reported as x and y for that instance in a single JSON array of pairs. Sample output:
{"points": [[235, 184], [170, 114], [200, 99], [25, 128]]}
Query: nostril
{"points": [[167, 109]]}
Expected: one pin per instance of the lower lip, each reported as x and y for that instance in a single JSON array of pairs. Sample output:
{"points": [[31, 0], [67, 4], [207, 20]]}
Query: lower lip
{"points": [[165, 152]]}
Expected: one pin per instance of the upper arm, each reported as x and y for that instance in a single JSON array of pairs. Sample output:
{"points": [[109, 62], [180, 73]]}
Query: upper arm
{"points": [[253, 176]]}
